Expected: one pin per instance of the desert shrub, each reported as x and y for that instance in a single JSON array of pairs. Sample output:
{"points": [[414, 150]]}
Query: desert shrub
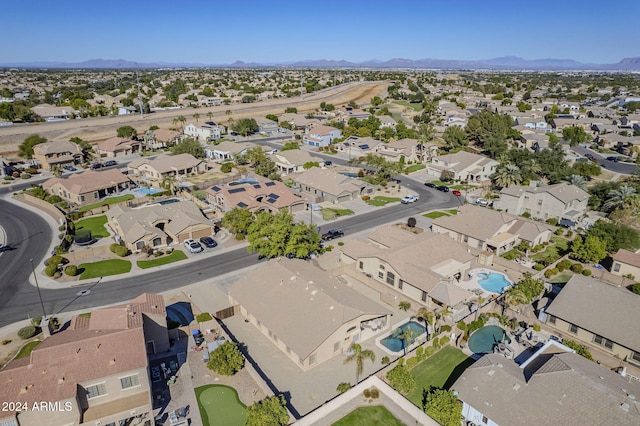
{"points": [[558, 231], [340, 243], [113, 247], [25, 175], [580, 349], [121, 251], [560, 266], [444, 340], [445, 328], [567, 263], [374, 393], [411, 362], [401, 361], [5, 342], [461, 325], [586, 272], [365, 198], [57, 275], [552, 221], [240, 237], [569, 234], [226, 167], [62, 228], [549, 273], [56, 260], [366, 393], [8, 178], [436, 343], [538, 266], [71, 270], [158, 253], [27, 332], [385, 360], [420, 352], [401, 379], [203, 317], [577, 268], [428, 351], [51, 270], [536, 327]]}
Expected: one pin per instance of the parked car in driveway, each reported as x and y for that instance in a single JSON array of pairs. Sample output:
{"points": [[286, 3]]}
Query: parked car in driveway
{"points": [[193, 246], [334, 233], [208, 242], [482, 202], [443, 188], [457, 193], [410, 199], [96, 166], [110, 163], [430, 184], [69, 168]]}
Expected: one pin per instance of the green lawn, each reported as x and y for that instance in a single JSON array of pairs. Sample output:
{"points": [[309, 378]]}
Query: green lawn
{"points": [[415, 168], [435, 215], [25, 351], [94, 224], [381, 201], [415, 107], [453, 211], [553, 251], [219, 405], [175, 256], [104, 268], [373, 415], [328, 214], [561, 243], [440, 370], [109, 201], [561, 278]]}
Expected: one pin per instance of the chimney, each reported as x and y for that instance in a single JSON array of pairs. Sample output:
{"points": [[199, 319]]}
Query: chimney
{"points": [[47, 327]]}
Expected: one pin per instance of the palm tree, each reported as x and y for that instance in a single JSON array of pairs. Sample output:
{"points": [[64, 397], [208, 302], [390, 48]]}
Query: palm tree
{"points": [[169, 183], [196, 116], [358, 356], [513, 297], [508, 174], [210, 115], [423, 314], [181, 119], [408, 336], [56, 170], [479, 301], [577, 180], [620, 198]]}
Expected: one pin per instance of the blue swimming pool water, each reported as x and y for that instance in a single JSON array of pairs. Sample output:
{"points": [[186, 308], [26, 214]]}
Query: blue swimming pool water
{"points": [[493, 282], [483, 340], [396, 344], [148, 191], [169, 201], [353, 175]]}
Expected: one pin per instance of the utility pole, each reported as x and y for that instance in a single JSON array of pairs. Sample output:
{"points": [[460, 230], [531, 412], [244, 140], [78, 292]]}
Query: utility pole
{"points": [[139, 98], [35, 277]]}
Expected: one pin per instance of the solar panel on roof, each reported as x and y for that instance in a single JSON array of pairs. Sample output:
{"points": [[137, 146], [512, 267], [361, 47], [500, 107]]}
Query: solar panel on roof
{"points": [[271, 200], [272, 195], [364, 146], [215, 188], [241, 204], [257, 186], [270, 183], [234, 190]]}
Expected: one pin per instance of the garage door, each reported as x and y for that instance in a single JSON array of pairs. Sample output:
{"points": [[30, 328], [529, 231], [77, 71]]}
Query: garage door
{"points": [[207, 232]]}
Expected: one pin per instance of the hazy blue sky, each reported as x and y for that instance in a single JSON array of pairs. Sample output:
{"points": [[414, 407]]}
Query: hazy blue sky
{"points": [[221, 32]]}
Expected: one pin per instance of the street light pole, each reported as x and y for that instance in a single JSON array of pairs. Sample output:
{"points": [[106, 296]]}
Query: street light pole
{"points": [[35, 277]]}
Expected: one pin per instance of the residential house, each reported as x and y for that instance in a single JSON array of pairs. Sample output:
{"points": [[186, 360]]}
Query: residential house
{"points": [[487, 229], [298, 121], [212, 101], [160, 138], [208, 131], [88, 187], [53, 113], [598, 314], [626, 262], [308, 314], [266, 126], [355, 146], [117, 147], [555, 386], [560, 201], [57, 153], [163, 166], [293, 160], [455, 119], [411, 149], [465, 166], [94, 372], [328, 185], [158, 225], [321, 135], [348, 113], [255, 195], [386, 121], [422, 268], [227, 151], [533, 124], [534, 141]]}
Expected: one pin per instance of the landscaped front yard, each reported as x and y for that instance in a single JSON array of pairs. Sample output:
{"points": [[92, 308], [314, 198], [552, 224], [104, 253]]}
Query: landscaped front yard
{"points": [[329, 214], [440, 370], [415, 168], [26, 350], [368, 416], [104, 268], [175, 256], [381, 201], [107, 201], [437, 214], [94, 224]]}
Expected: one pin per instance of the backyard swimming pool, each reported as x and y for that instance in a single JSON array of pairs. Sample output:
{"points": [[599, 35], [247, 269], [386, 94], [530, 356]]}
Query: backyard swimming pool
{"points": [[493, 282], [147, 191], [396, 344], [349, 174], [484, 340]]}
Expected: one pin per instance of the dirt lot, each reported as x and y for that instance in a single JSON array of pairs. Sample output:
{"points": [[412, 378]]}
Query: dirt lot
{"points": [[97, 129]]}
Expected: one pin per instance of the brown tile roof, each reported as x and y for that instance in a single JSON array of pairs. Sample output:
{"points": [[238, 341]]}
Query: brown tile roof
{"points": [[165, 135], [627, 257], [247, 195], [88, 181], [562, 191], [57, 147], [116, 144], [329, 181]]}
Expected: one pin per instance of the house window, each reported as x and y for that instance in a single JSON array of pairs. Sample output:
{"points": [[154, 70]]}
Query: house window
{"points": [[361, 265], [485, 420], [573, 329], [465, 239], [129, 382], [539, 202], [552, 320], [635, 356], [391, 278], [336, 347], [96, 390], [479, 244], [381, 267], [313, 359], [381, 275], [616, 267], [603, 342], [157, 242], [424, 296], [400, 283], [81, 198]]}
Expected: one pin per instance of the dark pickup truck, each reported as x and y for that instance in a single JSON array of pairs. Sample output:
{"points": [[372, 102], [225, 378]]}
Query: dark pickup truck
{"points": [[334, 233]]}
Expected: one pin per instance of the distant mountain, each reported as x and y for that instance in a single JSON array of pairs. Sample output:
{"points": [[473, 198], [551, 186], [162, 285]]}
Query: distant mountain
{"points": [[502, 63]]}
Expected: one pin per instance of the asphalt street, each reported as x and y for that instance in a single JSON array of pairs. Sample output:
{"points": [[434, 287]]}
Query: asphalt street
{"points": [[615, 167]]}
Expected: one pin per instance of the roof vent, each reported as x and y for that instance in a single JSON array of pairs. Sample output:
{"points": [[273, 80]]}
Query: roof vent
{"points": [[632, 397], [61, 380], [331, 308], [112, 361], [625, 407], [491, 372], [516, 386]]}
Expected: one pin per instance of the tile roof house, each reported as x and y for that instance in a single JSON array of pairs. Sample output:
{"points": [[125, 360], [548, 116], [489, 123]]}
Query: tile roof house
{"points": [[421, 268], [626, 262], [321, 135], [308, 314], [553, 387], [166, 165], [57, 153], [227, 151], [117, 147], [293, 160], [298, 121], [598, 314], [160, 138], [387, 121], [54, 113], [158, 226], [561, 201], [93, 372], [208, 131], [465, 166], [410, 149], [89, 186], [356, 146], [491, 230], [329, 185], [255, 195], [266, 126]]}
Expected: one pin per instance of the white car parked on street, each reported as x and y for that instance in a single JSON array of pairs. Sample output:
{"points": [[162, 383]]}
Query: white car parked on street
{"points": [[410, 199]]}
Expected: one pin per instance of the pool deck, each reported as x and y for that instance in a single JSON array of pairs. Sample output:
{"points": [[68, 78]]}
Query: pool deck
{"points": [[470, 282]]}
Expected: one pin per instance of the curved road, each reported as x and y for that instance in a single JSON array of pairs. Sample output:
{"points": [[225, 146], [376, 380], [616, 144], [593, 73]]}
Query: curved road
{"points": [[25, 301]]}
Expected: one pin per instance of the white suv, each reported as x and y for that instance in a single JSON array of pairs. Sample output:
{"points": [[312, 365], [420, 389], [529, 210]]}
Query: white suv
{"points": [[410, 199], [193, 246]]}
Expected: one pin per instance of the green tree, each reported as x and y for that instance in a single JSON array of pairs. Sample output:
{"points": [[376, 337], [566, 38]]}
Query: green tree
{"points": [[575, 135], [226, 360], [343, 387], [616, 236], [276, 235], [271, 411], [577, 180], [127, 132], [404, 305], [589, 249], [358, 356], [245, 126], [237, 220], [291, 110], [189, 146], [376, 101], [580, 349], [272, 117], [25, 149], [401, 379], [407, 336], [290, 145], [530, 287], [586, 168], [310, 164], [196, 116], [444, 407], [620, 198], [455, 138], [170, 183], [507, 174], [523, 106]]}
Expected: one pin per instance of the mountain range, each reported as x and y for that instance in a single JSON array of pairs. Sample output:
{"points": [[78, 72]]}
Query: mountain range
{"points": [[512, 63]]}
